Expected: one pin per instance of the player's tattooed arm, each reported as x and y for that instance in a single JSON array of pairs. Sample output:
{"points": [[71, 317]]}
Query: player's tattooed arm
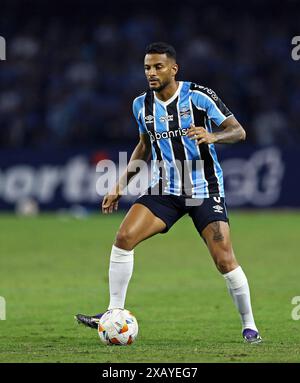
{"points": [[231, 132]]}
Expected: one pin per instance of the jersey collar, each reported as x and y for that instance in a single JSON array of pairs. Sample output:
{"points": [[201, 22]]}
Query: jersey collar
{"points": [[171, 99]]}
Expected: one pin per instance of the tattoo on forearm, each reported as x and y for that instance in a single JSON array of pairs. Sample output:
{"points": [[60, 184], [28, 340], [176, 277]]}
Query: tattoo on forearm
{"points": [[230, 135], [217, 235]]}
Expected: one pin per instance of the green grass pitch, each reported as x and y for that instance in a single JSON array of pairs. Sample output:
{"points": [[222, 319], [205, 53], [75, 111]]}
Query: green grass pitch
{"points": [[52, 267]]}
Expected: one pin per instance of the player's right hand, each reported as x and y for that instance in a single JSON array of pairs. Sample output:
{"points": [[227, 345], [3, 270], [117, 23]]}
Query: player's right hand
{"points": [[110, 203]]}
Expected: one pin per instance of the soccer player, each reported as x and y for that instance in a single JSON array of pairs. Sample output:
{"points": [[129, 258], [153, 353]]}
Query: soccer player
{"points": [[174, 120]]}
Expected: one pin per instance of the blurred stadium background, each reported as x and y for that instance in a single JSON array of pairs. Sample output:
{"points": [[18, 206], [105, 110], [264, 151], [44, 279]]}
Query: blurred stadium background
{"points": [[71, 72], [73, 69]]}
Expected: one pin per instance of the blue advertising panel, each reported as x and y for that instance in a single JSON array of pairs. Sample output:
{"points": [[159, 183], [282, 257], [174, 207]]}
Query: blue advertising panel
{"points": [[254, 177]]}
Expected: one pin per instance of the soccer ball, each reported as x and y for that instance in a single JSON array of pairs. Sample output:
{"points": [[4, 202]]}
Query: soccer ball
{"points": [[118, 327]]}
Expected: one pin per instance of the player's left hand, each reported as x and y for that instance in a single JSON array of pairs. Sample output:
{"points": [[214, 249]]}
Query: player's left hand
{"points": [[201, 135]]}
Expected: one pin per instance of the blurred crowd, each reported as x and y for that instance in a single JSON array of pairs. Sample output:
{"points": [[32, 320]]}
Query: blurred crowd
{"points": [[71, 74]]}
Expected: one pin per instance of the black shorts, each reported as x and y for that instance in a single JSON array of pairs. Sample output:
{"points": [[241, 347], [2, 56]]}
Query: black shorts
{"points": [[170, 208]]}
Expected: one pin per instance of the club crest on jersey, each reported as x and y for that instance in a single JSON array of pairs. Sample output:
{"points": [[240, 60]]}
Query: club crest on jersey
{"points": [[149, 119], [185, 112], [168, 117]]}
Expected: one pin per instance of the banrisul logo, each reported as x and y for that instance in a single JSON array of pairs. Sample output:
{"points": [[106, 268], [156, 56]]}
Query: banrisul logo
{"points": [[2, 48], [168, 134]]}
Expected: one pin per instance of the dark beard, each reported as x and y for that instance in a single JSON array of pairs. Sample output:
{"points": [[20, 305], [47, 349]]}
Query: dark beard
{"points": [[160, 88]]}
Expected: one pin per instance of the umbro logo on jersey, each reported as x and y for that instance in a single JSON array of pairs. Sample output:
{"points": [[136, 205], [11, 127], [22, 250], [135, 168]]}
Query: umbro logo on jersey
{"points": [[218, 209], [149, 119], [168, 117]]}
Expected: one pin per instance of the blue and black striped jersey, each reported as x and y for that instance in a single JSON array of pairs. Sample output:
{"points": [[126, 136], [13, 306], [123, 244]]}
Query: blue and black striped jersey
{"points": [[185, 167]]}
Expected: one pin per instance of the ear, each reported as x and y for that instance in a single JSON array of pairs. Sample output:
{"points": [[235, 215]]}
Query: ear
{"points": [[174, 69]]}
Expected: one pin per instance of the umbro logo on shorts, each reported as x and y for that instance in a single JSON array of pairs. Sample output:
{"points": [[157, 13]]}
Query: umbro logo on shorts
{"points": [[218, 209]]}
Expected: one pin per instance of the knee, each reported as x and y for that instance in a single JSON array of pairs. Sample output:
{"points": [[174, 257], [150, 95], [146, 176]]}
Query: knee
{"points": [[125, 239], [225, 260]]}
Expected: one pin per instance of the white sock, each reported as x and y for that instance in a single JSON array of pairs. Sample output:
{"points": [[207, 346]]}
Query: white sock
{"points": [[239, 289], [120, 271]]}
